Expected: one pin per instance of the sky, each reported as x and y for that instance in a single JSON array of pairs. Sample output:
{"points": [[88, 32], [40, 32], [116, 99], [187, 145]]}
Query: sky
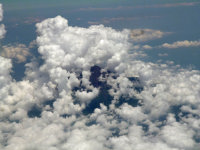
{"points": [[103, 75]]}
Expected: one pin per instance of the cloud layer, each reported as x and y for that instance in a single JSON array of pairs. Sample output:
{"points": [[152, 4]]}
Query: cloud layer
{"points": [[135, 105]]}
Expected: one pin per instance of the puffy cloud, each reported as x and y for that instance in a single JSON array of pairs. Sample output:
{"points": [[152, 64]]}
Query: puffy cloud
{"points": [[135, 105], [133, 114], [87, 96], [95, 45], [18, 52], [177, 134], [178, 44]]}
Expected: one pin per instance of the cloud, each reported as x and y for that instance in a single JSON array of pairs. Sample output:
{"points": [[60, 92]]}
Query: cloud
{"points": [[18, 52], [177, 134], [139, 35], [135, 105], [2, 27], [178, 44], [162, 54], [177, 4]]}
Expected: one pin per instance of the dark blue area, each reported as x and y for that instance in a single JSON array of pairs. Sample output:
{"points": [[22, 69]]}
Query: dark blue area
{"points": [[115, 132], [137, 84], [49, 102], [197, 138], [18, 71], [103, 97], [95, 74], [176, 110], [134, 79], [131, 101], [145, 127], [35, 111]]}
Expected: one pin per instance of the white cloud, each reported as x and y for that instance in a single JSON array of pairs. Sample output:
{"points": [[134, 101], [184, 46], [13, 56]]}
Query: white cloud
{"points": [[87, 96], [56, 93], [177, 134], [178, 44]]}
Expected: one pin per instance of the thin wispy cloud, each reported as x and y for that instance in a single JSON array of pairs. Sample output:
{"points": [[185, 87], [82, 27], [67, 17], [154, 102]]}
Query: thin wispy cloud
{"points": [[174, 45], [139, 35], [119, 19], [167, 5], [179, 44]]}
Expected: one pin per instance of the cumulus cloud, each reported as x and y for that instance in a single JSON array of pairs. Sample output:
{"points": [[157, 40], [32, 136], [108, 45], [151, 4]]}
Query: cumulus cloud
{"points": [[2, 27], [178, 44], [89, 93], [18, 52]]}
